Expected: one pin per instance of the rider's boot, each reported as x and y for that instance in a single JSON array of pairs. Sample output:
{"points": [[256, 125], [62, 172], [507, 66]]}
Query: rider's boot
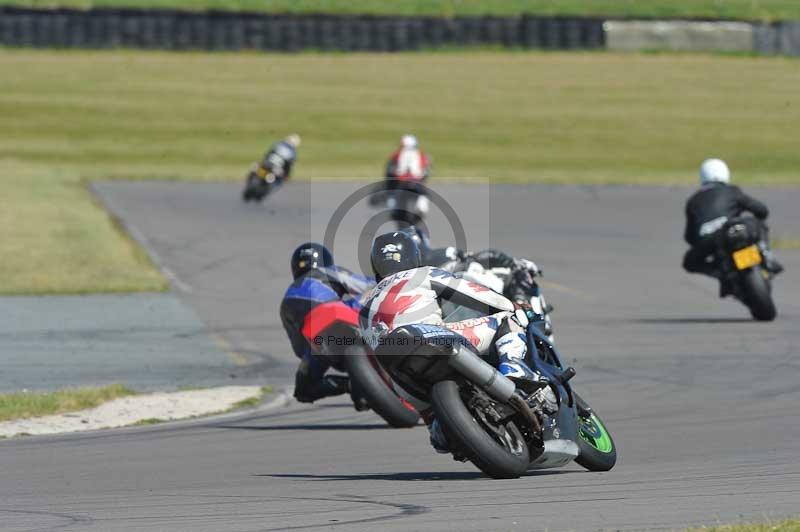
{"points": [[771, 263], [359, 401], [725, 287], [511, 349], [437, 438]]}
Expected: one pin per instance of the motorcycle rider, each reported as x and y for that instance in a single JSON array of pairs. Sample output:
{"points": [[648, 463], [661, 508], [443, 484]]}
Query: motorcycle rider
{"points": [[408, 163], [707, 212], [316, 281], [406, 172], [410, 293], [275, 167]]}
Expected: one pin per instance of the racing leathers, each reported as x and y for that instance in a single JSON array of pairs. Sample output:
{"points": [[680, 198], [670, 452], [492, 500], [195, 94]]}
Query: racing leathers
{"points": [[518, 286], [274, 168], [707, 212], [406, 173], [318, 286], [409, 165], [279, 159], [421, 295]]}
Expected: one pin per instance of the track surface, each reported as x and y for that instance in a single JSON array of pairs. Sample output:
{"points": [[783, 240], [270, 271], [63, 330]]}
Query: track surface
{"points": [[147, 341], [703, 403]]}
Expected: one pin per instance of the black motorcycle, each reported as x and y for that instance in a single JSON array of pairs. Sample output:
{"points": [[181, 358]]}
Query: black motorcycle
{"points": [[260, 182], [742, 267], [406, 202], [486, 419]]}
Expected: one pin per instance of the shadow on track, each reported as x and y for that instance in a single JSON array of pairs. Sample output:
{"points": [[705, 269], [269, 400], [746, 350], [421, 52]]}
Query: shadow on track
{"points": [[310, 426], [690, 321], [412, 476]]}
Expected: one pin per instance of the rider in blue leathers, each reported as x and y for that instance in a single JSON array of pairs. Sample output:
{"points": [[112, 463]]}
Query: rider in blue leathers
{"points": [[316, 281]]}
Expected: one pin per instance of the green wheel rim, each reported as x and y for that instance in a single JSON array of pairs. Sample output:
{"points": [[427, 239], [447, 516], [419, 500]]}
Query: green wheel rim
{"points": [[593, 432]]}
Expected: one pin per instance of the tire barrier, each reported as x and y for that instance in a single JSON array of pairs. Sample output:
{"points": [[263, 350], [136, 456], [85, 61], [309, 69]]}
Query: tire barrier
{"points": [[219, 30], [223, 30]]}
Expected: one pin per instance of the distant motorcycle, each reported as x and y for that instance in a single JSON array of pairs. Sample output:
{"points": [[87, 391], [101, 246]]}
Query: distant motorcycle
{"points": [[742, 267], [263, 178], [336, 324], [502, 430], [406, 201]]}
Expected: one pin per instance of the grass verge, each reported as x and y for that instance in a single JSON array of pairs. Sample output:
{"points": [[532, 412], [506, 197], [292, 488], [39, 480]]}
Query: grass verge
{"points": [[24, 405], [740, 9], [790, 525], [71, 117], [252, 402]]}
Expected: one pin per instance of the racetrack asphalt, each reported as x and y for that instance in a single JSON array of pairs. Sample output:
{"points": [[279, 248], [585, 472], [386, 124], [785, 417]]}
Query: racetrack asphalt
{"points": [[702, 402], [150, 341]]}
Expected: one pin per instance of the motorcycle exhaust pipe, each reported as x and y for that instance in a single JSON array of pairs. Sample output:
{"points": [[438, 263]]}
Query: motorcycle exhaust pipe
{"points": [[483, 374]]}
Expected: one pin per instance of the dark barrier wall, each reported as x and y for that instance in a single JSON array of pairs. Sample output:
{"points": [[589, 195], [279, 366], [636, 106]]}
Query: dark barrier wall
{"points": [[181, 30]]}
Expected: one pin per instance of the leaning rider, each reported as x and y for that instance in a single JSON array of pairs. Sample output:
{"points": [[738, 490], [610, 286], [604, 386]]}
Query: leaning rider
{"points": [[707, 212], [409, 293], [316, 281], [275, 167]]}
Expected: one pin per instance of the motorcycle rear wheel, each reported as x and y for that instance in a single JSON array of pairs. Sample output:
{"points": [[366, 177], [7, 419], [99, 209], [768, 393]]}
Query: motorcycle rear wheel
{"points": [[465, 434], [597, 451], [381, 398], [757, 295]]}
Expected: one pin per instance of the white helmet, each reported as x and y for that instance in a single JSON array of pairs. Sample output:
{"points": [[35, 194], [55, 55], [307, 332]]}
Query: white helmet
{"points": [[714, 171], [293, 140], [408, 142]]}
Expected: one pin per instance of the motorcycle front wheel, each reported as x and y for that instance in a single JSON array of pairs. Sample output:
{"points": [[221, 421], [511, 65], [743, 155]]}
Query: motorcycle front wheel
{"points": [[255, 189], [502, 454], [597, 451]]}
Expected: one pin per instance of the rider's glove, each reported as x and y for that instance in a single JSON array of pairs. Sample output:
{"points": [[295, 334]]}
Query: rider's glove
{"points": [[520, 317]]}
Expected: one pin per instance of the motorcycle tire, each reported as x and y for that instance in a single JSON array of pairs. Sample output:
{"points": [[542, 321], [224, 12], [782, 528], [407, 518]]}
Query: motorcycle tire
{"points": [[757, 295], [255, 189], [596, 448], [370, 384], [464, 433]]}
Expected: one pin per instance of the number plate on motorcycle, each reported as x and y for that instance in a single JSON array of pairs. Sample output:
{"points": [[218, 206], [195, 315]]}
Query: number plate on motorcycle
{"points": [[747, 257]]}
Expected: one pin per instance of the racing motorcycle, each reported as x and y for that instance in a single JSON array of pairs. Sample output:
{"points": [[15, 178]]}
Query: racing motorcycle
{"points": [[742, 267], [407, 202], [486, 419], [336, 324], [262, 179]]}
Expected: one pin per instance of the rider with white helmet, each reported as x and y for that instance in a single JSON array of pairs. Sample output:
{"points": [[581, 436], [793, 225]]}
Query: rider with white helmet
{"points": [[404, 191], [707, 211]]}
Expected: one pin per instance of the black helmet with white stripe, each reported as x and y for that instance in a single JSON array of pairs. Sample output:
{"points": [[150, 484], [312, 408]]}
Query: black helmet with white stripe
{"points": [[310, 256], [394, 252]]}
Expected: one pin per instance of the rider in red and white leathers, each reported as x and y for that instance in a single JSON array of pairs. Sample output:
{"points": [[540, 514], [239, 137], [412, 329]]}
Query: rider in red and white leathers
{"points": [[408, 163], [412, 294], [405, 192]]}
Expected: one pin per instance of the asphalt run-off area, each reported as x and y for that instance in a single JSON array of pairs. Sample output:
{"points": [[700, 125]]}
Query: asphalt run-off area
{"points": [[702, 401]]}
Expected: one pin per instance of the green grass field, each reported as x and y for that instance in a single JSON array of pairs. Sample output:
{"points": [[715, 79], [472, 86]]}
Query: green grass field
{"points": [[791, 525], [69, 117], [739, 9], [23, 405]]}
